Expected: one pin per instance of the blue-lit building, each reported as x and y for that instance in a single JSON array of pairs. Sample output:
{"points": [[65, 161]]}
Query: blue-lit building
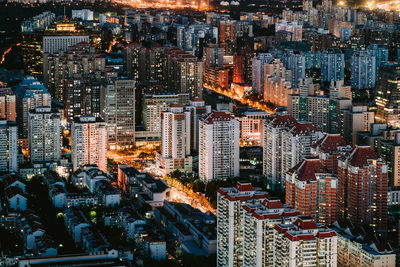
{"points": [[297, 64], [363, 70], [380, 52], [332, 65]]}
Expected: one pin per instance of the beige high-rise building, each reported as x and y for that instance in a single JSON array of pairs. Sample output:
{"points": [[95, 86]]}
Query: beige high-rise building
{"points": [[175, 139], [89, 142], [7, 105]]}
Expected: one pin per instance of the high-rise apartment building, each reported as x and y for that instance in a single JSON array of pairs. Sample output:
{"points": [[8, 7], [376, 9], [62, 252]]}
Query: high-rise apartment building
{"points": [[304, 243], [295, 29], [230, 202], [258, 224], [88, 142], [311, 189], [30, 94], [276, 83], [332, 65], [183, 72], [7, 105], [218, 146], [118, 111], [310, 105], [286, 142], [328, 149], [64, 72], [256, 230], [44, 134], [257, 66], [381, 53], [363, 70], [357, 119], [213, 56], [296, 63], [362, 188], [8, 145], [389, 150], [157, 103], [387, 95], [197, 109], [242, 67], [175, 139]]}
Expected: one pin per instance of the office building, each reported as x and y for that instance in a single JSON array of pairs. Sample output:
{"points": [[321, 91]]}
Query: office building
{"points": [[52, 44], [7, 105], [8, 146], [363, 70], [251, 126], [44, 134], [88, 142], [362, 188], [218, 146]]}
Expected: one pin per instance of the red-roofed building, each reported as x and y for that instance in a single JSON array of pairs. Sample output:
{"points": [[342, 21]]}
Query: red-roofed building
{"points": [[231, 203], [259, 221], [304, 243], [362, 188], [311, 189], [328, 149]]}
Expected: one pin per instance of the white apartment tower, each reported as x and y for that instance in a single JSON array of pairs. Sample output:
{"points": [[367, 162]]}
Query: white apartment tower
{"points": [[89, 142], [285, 143], [175, 139], [8, 145], [218, 146], [304, 243], [44, 134], [230, 202]]}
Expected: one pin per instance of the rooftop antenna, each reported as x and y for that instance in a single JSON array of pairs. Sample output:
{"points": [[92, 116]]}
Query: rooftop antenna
{"points": [[64, 13]]}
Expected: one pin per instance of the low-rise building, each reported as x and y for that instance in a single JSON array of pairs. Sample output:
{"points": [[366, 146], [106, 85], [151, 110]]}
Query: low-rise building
{"points": [[356, 248]]}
